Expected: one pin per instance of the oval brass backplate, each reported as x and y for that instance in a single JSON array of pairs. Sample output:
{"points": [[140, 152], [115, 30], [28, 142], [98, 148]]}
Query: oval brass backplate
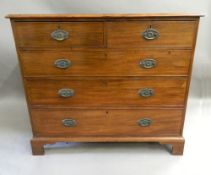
{"points": [[69, 122], [146, 92], [150, 34], [65, 92], [60, 35], [148, 63], [62, 63], [144, 122]]}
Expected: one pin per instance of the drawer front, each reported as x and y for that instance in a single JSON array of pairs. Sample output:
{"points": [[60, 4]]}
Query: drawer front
{"points": [[113, 63], [101, 92], [107, 122], [59, 34], [151, 34]]}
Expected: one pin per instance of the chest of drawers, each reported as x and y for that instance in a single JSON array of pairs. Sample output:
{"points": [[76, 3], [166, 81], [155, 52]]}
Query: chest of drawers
{"points": [[106, 78]]}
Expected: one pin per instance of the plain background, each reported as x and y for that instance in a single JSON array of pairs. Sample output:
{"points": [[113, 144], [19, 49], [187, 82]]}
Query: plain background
{"points": [[110, 158]]}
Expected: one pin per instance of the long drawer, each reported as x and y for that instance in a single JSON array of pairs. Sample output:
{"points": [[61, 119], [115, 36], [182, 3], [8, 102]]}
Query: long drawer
{"points": [[151, 34], [59, 34], [123, 92], [63, 122], [112, 63]]}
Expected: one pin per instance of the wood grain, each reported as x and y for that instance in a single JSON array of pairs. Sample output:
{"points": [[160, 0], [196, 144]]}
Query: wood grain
{"points": [[108, 15], [37, 143], [106, 122], [38, 34], [105, 50], [107, 92], [172, 34], [102, 63]]}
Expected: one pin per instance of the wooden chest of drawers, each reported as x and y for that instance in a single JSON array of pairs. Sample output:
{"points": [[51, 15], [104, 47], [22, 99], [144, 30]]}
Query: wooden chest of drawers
{"points": [[106, 78]]}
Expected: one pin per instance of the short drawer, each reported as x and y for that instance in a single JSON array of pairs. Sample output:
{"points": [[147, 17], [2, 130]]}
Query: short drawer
{"points": [[112, 63], [63, 122], [122, 92], [59, 34], [151, 34]]}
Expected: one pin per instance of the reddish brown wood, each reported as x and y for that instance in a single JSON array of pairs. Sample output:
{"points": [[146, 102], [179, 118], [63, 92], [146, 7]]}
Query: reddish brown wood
{"points": [[117, 92], [177, 147], [37, 147], [38, 34], [102, 63], [123, 15], [41, 141], [164, 122], [172, 34], [106, 94]]}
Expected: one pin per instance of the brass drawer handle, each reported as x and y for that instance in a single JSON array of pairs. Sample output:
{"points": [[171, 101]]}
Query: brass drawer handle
{"points": [[148, 63], [69, 122], [62, 63], [66, 92], [144, 122], [150, 34], [60, 35], [146, 92]]}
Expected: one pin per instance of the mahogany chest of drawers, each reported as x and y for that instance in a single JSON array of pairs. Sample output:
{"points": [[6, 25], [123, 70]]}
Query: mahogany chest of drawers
{"points": [[106, 78]]}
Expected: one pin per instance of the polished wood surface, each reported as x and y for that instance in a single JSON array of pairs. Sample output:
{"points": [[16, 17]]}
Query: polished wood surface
{"points": [[110, 63], [164, 122], [105, 51], [108, 15], [107, 92], [38, 34], [177, 142], [172, 34]]}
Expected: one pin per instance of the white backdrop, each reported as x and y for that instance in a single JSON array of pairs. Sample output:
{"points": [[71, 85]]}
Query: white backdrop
{"points": [[15, 155]]}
